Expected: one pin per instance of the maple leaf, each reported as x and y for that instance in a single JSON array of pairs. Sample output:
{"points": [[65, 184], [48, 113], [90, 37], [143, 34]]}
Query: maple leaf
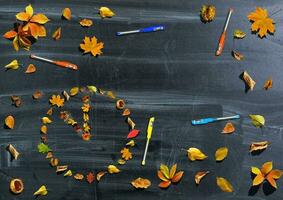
{"points": [[91, 45], [169, 176], [261, 22], [56, 100], [85, 107], [90, 177], [126, 154]]}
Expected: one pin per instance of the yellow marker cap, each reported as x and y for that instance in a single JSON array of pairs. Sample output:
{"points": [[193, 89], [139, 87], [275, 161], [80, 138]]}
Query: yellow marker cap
{"points": [[150, 127]]}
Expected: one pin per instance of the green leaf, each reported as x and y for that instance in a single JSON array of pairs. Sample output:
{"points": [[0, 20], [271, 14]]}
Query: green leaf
{"points": [[257, 120], [43, 148], [92, 88], [165, 170]]}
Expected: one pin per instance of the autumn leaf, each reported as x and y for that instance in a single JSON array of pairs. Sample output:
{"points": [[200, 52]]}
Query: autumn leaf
{"points": [[258, 146], [12, 65], [86, 22], [207, 13], [74, 91], [106, 12], [46, 120], [67, 14], [248, 80], [90, 177], [92, 88], [16, 100], [99, 175], [85, 107], [56, 100], [200, 175], [126, 112], [43, 129], [228, 128], [10, 122], [91, 45], [133, 133], [238, 34], [79, 176], [30, 69], [131, 143], [131, 123], [43, 148], [112, 169], [121, 162], [57, 34], [261, 23], [221, 153], [41, 191], [141, 183], [195, 154], [126, 154], [237, 55], [169, 176], [37, 94], [266, 173], [268, 84], [224, 185], [257, 120], [68, 173]]}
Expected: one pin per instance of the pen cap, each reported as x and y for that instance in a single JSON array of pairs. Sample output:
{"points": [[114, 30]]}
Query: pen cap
{"points": [[150, 127]]}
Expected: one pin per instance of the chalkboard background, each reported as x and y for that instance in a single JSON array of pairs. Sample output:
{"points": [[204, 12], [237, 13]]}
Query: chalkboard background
{"points": [[172, 75]]}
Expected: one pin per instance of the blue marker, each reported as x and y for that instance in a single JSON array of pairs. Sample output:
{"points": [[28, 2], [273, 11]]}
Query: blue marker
{"points": [[209, 120], [142, 30]]}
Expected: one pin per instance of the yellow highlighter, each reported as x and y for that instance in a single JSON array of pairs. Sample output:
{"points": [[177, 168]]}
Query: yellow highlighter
{"points": [[149, 133]]}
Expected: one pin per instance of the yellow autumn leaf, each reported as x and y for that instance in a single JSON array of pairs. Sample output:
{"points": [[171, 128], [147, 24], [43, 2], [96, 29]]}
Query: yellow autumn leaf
{"points": [[91, 45], [99, 175], [112, 169], [106, 12], [224, 185], [221, 153], [46, 120], [165, 170], [43, 129], [67, 14], [195, 154], [41, 191], [12, 65], [10, 122], [257, 120], [74, 91], [121, 162], [239, 34], [68, 173], [92, 88]]}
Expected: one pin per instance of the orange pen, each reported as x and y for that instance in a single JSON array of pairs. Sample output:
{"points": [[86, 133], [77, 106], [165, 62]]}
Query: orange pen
{"points": [[223, 35], [63, 64]]}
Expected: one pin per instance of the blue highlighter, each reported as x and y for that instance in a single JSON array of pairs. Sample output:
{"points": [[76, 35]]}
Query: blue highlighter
{"points": [[210, 120], [142, 30]]}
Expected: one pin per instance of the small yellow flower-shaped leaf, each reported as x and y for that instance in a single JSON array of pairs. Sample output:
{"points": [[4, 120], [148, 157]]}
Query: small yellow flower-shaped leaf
{"points": [[12, 65], [41, 191], [106, 12], [224, 185], [195, 154], [91, 45], [112, 169], [221, 153], [126, 154], [57, 100]]}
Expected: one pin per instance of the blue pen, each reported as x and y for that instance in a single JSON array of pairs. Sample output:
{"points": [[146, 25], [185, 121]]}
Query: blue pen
{"points": [[209, 120], [142, 30]]}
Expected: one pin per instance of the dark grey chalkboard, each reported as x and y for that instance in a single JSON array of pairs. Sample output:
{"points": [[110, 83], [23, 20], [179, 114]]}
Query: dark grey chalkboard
{"points": [[172, 75]]}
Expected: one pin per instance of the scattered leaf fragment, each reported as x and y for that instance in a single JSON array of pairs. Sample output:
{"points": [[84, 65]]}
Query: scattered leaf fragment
{"points": [[79, 176], [67, 14], [49, 111], [16, 100], [224, 185], [121, 162], [133, 133], [111, 95], [37, 94], [131, 143], [268, 84], [57, 34], [56, 100], [90, 177], [106, 12], [126, 112], [13, 151], [200, 175], [239, 34], [12, 65], [74, 91], [258, 146], [248, 80], [16, 186], [68, 173], [221, 153], [30, 69], [41, 191], [112, 169], [228, 128], [237, 55], [86, 22], [61, 168], [126, 154], [91, 45], [54, 162], [43, 148], [99, 175], [141, 183], [46, 120], [131, 123], [257, 120], [207, 13], [195, 154], [10, 122], [49, 155]]}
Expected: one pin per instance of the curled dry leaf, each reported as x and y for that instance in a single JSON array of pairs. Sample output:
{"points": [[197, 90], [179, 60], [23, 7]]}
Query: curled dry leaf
{"points": [[66, 95], [258, 146], [86, 22], [133, 133], [248, 80], [41, 191], [46, 120], [49, 155], [90, 177], [221, 153], [141, 183], [126, 112], [131, 123], [126, 154], [257, 120], [12, 65], [200, 175], [207, 13], [57, 34], [131, 143], [224, 185], [121, 162], [120, 104], [37, 94], [16, 100], [49, 111], [10, 122], [67, 14], [268, 84], [99, 175], [13, 151], [237, 55], [61, 168], [112, 169], [30, 69], [79, 176], [106, 12], [239, 34], [228, 128], [16, 186], [68, 173], [91, 45], [195, 154], [74, 91], [54, 162]]}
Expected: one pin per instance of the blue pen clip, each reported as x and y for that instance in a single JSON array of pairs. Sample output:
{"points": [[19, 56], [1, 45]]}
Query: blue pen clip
{"points": [[142, 30]]}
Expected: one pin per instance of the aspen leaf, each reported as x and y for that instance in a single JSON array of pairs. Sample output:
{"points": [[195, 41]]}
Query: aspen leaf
{"points": [[199, 176], [30, 69], [12, 65], [237, 55], [91, 45], [79, 176], [221, 153], [41, 191], [257, 146], [99, 175], [195, 154], [268, 84], [74, 91], [106, 12], [112, 169], [67, 14], [86, 22], [224, 185], [43, 148], [57, 34], [46, 120], [257, 120], [90, 177], [141, 183], [228, 129], [248, 80], [238, 34], [10, 122]]}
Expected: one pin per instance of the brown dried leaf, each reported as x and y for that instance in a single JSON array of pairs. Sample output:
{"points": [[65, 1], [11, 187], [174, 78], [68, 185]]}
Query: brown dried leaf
{"points": [[10, 122], [13, 151], [257, 146], [16, 100], [229, 128], [131, 123], [30, 69], [141, 183], [237, 55], [79, 176], [268, 84], [57, 34], [120, 104], [200, 175], [54, 162], [61, 168], [126, 112], [99, 175], [37, 94], [49, 155], [248, 80]]}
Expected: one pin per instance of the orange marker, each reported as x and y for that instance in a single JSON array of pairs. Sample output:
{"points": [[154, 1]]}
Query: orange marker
{"points": [[223, 35], [63, 64]]}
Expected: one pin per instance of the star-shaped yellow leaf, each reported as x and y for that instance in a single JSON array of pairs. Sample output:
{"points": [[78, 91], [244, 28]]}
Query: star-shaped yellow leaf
{"points": [[91, 45]]}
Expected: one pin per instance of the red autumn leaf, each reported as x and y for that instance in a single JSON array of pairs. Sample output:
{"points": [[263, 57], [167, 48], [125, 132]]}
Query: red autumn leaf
{"points": [[90, 177], [133, 133]]}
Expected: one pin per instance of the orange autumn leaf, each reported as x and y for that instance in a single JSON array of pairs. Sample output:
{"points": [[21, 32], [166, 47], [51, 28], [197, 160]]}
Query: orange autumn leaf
{"points": [[90, 177], [228, 128], [37, 94], [200, 175], [10, 34], [57, 34], [169, 176], [266, 173], [261, 23], [91, 45], [164, 184], [86, 136], [56, 100], [268, 84], [258, 146], [67, 14], [86, 22], [141, 183], [30, 69], [177, 177], [10, 122], [99, 175], [126, 154], [126, 112]]}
